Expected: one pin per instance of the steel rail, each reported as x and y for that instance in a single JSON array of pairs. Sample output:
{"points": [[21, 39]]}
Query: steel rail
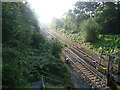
{"points": [[87, 66], [76, 47], [80, 60]]}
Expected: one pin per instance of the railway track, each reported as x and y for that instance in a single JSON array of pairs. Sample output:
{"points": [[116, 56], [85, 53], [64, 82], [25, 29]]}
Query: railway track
{"points": [[79, 51], [76, 49], [94, 78], [90, 61], [81, 62]]}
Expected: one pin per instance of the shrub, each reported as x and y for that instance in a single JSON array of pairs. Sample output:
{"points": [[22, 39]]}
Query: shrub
{"points": [[13, 69], [89, 30], [25, 50], [37, 38], [55, 47]]}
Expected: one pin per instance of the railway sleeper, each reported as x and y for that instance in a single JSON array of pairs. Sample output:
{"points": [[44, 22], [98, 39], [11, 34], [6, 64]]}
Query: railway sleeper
{"points": [[77, 65], [87, 72], [83, 68], [103, 85], [94, 84], [100, 86], [79, 68], [100, 83], [98, 80], [97, 84], [89, 76], [80, 64], [76, 62], [79, 72], [92, 78], [75, 68], [84, 71]]}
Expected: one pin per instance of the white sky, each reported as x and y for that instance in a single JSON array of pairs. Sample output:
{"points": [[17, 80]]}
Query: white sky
{"points": [[47, 9]]}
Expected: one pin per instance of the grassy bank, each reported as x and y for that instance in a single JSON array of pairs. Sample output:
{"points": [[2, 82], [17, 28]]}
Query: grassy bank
{"points": [[111, 41]]}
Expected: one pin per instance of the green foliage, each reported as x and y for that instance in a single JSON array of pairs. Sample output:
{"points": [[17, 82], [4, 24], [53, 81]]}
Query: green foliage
{"points": [[14, 67], [111, 41], [108, 18], [25, 50], [89, 19], [24, 63], [85, 8], [89, 22], [89, 30], [56, 47], [69, 21], [15, 24], [37, 38], [56, 23]]}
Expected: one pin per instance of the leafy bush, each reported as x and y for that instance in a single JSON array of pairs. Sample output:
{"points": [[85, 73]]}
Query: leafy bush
{"points": [[25, 50], [89, 30], [13, 67], [55, 47], [37, 38]]}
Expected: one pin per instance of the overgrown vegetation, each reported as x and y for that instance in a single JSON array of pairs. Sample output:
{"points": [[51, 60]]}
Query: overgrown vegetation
{"points": [[91, 23], [111, 42], [94, 25], [89, 30], [25, 51]]}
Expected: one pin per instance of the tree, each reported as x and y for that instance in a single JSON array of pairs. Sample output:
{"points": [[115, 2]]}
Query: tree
{"points": [[69, 21], [89, 30], [107, 16], [56, 23], [85, 7], [25, 50], [18, 22]]}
